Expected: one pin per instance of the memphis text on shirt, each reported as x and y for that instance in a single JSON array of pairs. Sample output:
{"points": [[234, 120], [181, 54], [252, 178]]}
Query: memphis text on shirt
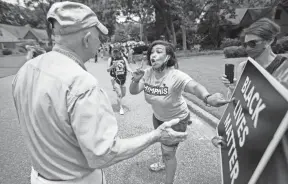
{"points": [[156, 90], [254, 106]]}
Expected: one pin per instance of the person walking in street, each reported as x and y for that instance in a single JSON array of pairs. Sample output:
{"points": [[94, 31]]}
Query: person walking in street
{"points": [[258, 40], [130, 55], [163, 86], [66, 118], [118, 67]]}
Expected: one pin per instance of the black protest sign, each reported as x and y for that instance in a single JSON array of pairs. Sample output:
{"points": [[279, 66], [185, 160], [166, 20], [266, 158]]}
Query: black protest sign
{"points": [[249, 124]]}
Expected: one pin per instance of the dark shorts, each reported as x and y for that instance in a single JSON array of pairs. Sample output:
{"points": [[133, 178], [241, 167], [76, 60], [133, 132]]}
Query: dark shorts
{"points": [[120, 79], [112, 74], [180, 127]]}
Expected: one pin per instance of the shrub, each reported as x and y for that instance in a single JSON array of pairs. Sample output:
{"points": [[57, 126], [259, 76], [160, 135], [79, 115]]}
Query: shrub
{"points": [[284, 42], [140, 49], [22, 50], [228, 42], [6, 52], [278, 48], [235, 52]]}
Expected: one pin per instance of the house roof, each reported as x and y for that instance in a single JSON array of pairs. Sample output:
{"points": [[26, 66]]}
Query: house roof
{"points": [[256, 12], [6, 36], [21, 31], [40, 34], [18, 31], [239, 14]]}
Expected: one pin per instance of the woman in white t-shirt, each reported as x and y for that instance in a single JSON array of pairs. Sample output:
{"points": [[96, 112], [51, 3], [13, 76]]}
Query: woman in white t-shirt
{"points": [[163, 85]]}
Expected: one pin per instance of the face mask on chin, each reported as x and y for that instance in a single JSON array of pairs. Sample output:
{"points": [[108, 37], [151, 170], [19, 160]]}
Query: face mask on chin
{"points": [[163, 66]]}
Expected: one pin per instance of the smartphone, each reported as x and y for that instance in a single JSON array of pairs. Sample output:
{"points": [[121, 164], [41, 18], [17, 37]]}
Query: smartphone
{"points": [[229, 72]]}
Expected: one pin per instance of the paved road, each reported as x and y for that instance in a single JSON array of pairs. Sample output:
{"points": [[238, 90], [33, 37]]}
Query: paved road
{"points": [[198, 160]]}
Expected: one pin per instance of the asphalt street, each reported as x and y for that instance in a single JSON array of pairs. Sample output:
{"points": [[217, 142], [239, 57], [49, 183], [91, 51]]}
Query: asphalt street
{"points": [[198, 159]]}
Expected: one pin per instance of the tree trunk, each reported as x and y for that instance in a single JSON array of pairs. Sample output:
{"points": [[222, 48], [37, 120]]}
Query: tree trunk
{"points": [[184, 42], [163, 15], [174, 41], [141, 31]]}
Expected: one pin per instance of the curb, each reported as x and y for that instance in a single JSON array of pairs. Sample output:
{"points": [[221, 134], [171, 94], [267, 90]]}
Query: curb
{"points": [[209, 118], [200, 54]]}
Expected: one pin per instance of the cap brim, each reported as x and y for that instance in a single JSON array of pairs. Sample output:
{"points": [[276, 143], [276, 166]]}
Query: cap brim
{"points": [[102, 28]]}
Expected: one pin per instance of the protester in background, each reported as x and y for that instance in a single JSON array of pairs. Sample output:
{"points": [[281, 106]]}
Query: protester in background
{"points": [[130, 55], [101, 52], [67, 120], [96, 57], [110, 50], [124, 52], [163, 86], [257, 41], [118, 67]]}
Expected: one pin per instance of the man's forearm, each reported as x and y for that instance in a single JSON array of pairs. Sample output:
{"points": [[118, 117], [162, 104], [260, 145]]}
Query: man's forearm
{"points": [[132, 146]]}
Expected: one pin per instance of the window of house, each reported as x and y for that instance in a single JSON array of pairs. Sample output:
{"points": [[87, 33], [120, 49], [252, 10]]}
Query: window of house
{"points": [[278, 14]]}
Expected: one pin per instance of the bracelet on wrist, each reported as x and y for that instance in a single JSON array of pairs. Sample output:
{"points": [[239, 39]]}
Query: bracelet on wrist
{"points": [[206, 100], [135, 81]]}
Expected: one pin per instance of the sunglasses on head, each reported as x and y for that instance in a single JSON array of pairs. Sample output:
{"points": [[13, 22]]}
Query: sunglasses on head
{"points": [[251, 43]]}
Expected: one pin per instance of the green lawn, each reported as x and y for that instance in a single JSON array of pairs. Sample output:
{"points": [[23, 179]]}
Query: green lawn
{"points": [[9, 65], [207, 70]]}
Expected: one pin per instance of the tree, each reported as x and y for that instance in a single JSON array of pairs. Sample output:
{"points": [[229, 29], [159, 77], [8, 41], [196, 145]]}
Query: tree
{"points": [[133, 30], [42, 7], [120, 36], [187, 12], [163, 17], [142, 9], [255, 3], [216, 16], [106, 11]]}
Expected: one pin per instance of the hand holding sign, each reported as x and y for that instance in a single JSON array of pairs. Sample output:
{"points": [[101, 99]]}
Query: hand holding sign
{"points": [[218, 100]]}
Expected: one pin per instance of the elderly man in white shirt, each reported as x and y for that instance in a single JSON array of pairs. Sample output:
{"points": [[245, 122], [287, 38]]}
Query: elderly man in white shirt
{"points": [[66, 118]]}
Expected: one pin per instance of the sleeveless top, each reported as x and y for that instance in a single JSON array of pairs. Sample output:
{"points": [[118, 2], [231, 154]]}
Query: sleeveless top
{"points": [[120, 69]]}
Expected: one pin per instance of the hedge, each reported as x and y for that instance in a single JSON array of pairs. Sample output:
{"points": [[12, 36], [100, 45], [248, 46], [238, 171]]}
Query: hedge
{"points": [[235, 52], [140, 49], [6, 52], [228, 42]]}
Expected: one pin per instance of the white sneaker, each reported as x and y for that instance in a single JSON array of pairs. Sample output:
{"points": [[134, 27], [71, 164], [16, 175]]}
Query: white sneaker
{"points": [[121, 111]]}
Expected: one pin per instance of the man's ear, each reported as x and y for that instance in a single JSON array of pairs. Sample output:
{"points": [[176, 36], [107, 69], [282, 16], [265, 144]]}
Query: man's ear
{"points": [[86, 40]]}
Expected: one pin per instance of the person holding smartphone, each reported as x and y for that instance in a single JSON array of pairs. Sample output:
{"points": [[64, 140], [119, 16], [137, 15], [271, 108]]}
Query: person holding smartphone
{"points": [[163, 86], [259, 37]]}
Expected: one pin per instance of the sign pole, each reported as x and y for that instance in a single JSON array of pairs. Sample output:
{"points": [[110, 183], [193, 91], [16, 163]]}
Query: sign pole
{"points": [[270, 150]]}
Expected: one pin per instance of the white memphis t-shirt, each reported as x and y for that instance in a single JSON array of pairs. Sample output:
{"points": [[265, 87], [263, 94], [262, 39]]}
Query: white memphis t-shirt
{"points": [[165, 94]]}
